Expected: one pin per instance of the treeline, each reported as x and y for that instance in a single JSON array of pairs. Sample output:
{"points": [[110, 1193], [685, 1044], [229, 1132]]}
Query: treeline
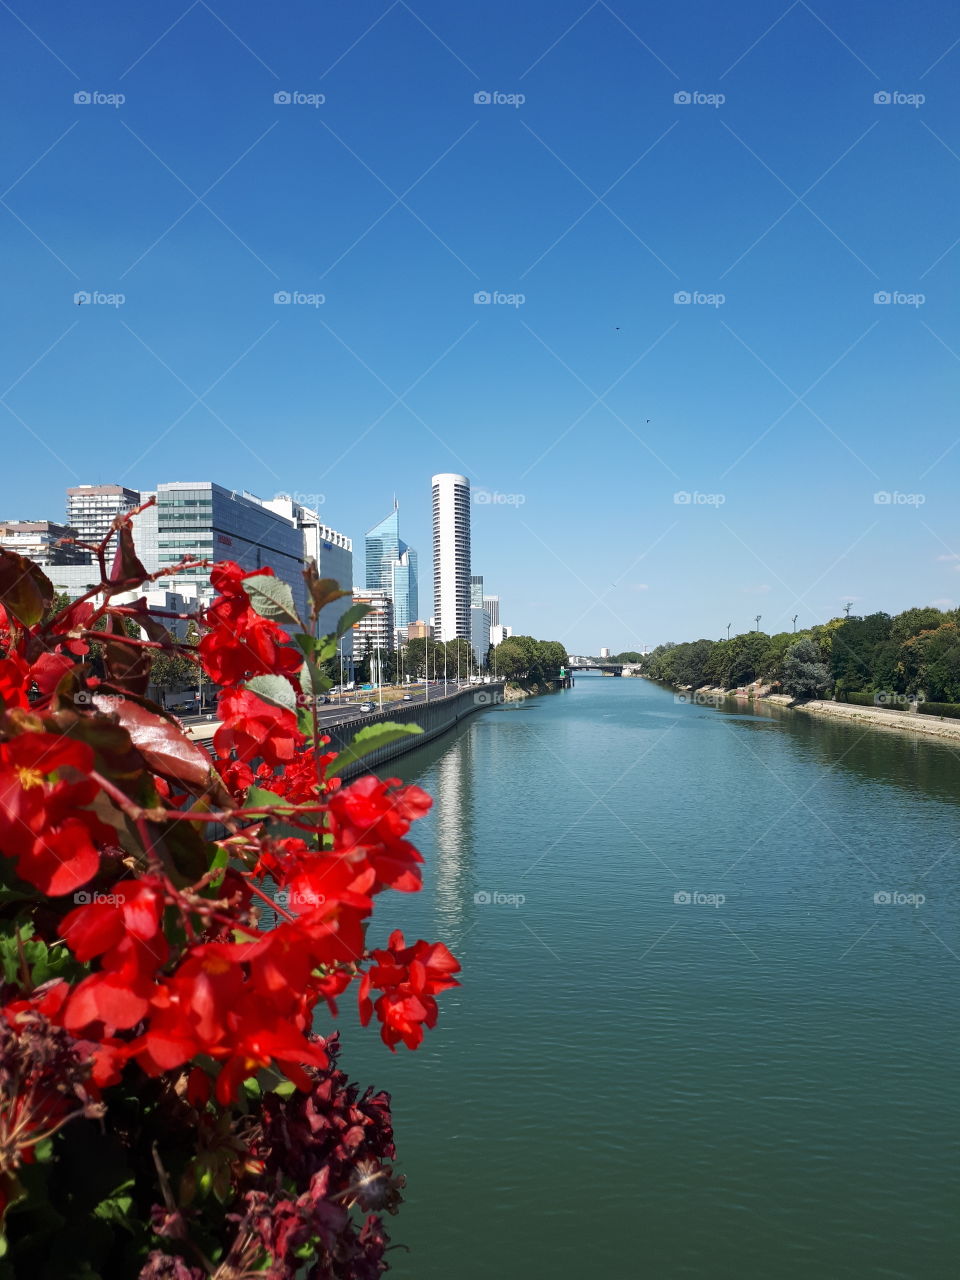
{"points": [[915, 653]]}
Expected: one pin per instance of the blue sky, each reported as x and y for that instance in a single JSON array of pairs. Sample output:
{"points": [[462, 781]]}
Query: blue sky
{"points": [[581, 412]]}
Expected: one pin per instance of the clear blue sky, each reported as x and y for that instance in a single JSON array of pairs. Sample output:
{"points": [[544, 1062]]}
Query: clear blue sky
{"points": [[798, 198]]}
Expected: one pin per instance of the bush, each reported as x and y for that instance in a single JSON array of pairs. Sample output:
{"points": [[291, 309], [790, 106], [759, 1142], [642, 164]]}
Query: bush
{"points": [[951, 709]]}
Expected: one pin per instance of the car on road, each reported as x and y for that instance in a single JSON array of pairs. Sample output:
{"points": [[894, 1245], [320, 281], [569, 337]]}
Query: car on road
{"points": [[408, 697], [366, 706]]}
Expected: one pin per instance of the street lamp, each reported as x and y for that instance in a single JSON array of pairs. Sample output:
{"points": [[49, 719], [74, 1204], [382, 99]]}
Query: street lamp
{"points": [[758, 617], [729, 625]]}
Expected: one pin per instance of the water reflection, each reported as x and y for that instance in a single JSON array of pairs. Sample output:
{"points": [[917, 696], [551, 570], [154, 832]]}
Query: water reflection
{"points": [[452, 787]]}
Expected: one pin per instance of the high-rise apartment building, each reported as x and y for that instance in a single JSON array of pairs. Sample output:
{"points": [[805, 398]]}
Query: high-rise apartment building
{"points": [[391, 566], [476, 591], [375, 630], [92, 507], [419, 631], [492, 606], [480, 634], [451, 556]]}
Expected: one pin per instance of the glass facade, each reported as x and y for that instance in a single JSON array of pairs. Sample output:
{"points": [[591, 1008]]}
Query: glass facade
{"points": [[391, 566]]}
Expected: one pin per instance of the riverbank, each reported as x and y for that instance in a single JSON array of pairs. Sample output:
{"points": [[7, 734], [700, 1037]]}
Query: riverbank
{"points": [[517, 692]]}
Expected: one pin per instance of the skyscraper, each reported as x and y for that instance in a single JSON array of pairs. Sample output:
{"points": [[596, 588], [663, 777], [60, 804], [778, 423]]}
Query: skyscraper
{"points": [[476, 591], [391, 566], [451, 556], [492, 606], [92, 507]]}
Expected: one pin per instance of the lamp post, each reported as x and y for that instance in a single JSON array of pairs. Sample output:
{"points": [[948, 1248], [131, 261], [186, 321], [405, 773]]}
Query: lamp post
{"points": [[795, 617], [729, 625], [757, 620]]}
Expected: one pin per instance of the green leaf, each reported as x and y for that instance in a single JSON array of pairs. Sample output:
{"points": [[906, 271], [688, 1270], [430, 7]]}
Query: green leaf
{"points": [[219, 863], [352, 615], [370, 739], [274, 689], [261, 798], [311, 679], [307, 643], [271, 597], [285, 1089]]}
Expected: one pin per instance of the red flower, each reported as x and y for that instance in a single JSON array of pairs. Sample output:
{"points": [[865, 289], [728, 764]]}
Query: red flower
{"points": [[409, 977], [241, 643]]}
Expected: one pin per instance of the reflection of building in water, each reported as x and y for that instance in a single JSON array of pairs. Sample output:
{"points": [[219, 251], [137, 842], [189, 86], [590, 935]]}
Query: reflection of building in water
{"points": [[452, 788]]}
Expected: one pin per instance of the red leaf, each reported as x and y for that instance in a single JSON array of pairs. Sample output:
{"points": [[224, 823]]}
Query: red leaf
{"points": [[24, 590], [164, 746]]}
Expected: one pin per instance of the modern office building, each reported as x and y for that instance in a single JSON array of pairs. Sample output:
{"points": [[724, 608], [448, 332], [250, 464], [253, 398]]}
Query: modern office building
{"points": [[498, 634], [391, 566], [480, 634], [419, 631], [604, 653], [92, 507], [476, 592], [332, 553], [375, 631], [38, 540], [451, 556], [492, 606]]}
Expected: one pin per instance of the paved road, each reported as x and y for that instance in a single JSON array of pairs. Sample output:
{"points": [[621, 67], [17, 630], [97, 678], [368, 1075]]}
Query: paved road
{"points": [[346, 711]]}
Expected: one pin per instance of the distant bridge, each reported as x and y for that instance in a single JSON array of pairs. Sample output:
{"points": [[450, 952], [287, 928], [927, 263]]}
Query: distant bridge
{"points": [[605, 668]]}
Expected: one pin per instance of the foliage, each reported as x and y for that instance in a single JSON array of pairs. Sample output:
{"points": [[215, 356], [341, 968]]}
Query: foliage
{"points": [[917, 653], [167, 1110], [532, 661], [951, 709], [805, 674]]}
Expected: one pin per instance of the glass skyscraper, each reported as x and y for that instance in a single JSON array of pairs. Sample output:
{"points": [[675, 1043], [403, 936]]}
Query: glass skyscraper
{"points": [[391, 566]]}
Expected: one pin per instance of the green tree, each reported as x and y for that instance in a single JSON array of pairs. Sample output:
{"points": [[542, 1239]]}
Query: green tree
{"points": [[805, 674]]}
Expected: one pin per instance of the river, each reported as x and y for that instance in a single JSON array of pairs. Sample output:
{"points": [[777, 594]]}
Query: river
{"points": [[691, 1040]]}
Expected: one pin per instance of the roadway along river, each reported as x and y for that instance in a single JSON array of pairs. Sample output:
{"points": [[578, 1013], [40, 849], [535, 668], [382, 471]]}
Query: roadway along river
{"points": [[700, 1046]]}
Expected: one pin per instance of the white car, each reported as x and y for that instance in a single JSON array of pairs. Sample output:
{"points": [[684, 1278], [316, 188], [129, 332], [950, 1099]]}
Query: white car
{"points": [[366, 706]]}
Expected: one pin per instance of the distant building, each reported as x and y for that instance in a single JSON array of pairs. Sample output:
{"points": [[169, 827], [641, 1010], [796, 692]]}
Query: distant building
{"points": [[451, 556], [492, 606], [38, 541], [604, 653], [91, 508], [419, 631], [480, 634], [375, 631], [499, 634], [332, 552], [391, 566], [476, 591]]}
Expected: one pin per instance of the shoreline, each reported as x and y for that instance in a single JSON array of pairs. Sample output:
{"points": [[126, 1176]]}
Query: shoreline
{"points": [[875, 717]]}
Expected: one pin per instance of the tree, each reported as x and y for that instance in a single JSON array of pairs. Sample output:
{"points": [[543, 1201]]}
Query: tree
{"points": [[805, 674]]}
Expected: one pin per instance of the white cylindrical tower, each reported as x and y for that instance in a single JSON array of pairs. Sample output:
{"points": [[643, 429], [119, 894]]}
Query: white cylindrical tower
{"points": [[451, 556]]}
